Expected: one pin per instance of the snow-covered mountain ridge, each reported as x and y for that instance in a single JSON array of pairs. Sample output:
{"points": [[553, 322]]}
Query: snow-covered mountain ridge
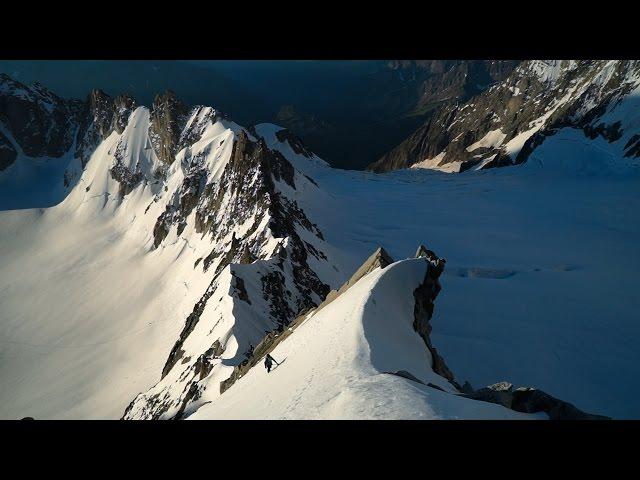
{"points": [[182, 241], [187, 180], [504, 124]]}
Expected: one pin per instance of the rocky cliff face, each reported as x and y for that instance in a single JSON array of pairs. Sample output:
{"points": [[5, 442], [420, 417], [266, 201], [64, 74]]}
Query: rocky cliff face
{"points": [[415, 87], [34, 121], [504, 124], [168, 116]]}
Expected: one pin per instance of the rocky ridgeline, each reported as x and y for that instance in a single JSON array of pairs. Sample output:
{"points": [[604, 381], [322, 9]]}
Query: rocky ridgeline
{"points": [[254, 201], [379, 259], [538, 98], [246, 193], [38, 123]]}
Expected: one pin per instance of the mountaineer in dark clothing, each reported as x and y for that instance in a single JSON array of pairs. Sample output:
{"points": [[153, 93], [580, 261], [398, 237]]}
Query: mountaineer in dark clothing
{"points": [[268, 362]]}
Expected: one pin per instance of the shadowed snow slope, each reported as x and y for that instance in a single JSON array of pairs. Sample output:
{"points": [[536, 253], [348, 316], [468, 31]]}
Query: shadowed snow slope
{"points": [[332, 366]]}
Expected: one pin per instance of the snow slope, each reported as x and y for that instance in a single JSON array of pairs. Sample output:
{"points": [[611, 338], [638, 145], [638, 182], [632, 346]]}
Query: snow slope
{"points": [[541, 263], [89, 313], [333, 366], [538, 289]]}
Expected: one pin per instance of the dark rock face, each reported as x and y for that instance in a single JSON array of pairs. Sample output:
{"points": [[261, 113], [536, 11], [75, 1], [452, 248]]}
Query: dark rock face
{"points": [[8, 153], [168, 117], [101, 115], [296, 144], [529, 400], [41, 123], [425, 296], [413, 87], [531, 93], [407, 375], [500, 393], [182, 204], [127, 178], [177, 352]]}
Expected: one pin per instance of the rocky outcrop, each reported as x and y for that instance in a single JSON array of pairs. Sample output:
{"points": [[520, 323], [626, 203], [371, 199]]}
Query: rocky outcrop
{"points": [[127, 178], [529, 400], [101, 115], [255, 200], [168, 118], [378, 259], [526, 400], [425, 296], [535, 101]]}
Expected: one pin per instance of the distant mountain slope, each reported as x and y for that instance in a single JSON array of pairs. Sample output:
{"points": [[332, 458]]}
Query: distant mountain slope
{"points": [[349, 112], [363, 116], [414, 87], [504, 124]]}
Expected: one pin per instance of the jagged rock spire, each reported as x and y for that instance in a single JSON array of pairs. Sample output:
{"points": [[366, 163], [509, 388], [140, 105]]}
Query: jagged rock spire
{"points": [[168, 116], [379, 258]]}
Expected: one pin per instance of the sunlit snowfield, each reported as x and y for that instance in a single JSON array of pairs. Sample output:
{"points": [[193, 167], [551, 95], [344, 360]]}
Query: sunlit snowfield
{"points": [[539, 287]]}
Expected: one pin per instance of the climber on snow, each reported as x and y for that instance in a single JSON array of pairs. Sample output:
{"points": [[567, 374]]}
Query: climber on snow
{"points": [[268, 362]]}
